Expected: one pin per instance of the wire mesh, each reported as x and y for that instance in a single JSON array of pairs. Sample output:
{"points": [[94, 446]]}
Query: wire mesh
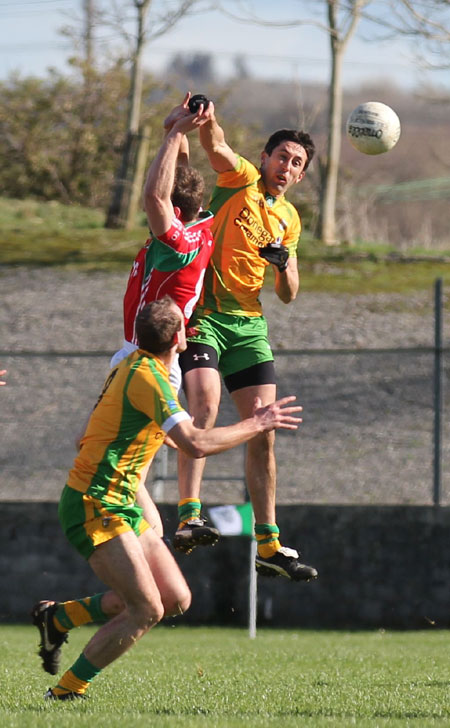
{"points": [[367, 435]]}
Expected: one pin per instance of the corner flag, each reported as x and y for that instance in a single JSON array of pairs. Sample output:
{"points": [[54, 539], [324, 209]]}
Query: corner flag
{"points": [[238, 521], [233, 520]]}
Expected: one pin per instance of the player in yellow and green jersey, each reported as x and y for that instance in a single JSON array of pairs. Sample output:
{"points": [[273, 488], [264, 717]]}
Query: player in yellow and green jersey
{"points": [[247, 220], [98, 509], [254, 226]]}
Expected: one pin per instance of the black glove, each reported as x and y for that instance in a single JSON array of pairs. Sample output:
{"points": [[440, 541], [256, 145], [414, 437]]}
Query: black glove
{"points": [[195, 102], [276, 254]]}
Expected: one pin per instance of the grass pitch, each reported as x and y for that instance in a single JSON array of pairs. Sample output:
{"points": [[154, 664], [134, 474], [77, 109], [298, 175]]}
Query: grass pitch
{"points": [[52, 234], [219, 678]]}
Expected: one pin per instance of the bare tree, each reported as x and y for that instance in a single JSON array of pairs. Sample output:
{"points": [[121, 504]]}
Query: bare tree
{"points": [[119, 212], [128, 180], [339, 39], [88, 32], [421, 20]]}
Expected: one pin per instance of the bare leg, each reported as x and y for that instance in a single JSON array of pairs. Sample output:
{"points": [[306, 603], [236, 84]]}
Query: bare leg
{"points": [[173, 589], [202, 388], [111, 604], [121, 563], [272, 559], [151, 513], [260, 459]]}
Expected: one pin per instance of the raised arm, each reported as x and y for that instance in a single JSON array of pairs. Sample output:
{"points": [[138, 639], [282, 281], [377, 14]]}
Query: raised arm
{"points": [[161, 174], [212, 138], [177, 113]]}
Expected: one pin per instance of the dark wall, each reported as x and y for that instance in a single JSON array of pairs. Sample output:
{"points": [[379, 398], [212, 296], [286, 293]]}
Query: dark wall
{"points": [[379, 566]]}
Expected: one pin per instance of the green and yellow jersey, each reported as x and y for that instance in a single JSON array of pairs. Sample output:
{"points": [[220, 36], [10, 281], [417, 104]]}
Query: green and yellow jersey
{"points": [[127, 426], [246, 219]]}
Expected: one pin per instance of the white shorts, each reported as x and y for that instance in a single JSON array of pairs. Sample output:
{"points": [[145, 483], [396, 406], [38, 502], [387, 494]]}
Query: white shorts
{"points": [[128, 348]]}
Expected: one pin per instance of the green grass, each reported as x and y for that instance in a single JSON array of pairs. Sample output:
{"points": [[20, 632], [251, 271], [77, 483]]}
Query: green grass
{"points": [[364, 277], [39, 233], [52, 234], [219, 678]]}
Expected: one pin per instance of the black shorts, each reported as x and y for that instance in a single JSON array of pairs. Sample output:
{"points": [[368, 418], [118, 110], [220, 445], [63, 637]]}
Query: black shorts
{"points": [[198, 356]]}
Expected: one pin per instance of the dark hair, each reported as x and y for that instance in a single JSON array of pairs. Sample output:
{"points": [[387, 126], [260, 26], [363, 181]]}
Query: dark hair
{"points": [[291, 135], [156, 325], [188, 191]]}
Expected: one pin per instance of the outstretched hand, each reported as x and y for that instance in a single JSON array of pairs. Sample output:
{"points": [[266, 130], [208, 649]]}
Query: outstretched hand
{"points": [[177, 113], [189, 123], [184, 119], [277, 415]]}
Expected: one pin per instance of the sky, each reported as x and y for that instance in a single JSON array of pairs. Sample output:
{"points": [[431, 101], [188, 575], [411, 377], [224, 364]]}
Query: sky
{"points": [[30, 44]]}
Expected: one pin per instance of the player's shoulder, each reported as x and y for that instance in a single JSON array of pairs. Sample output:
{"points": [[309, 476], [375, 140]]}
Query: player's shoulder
{"points": [[145, 370], [244, 166], [175, 231], [199, 231], [244, 173]]}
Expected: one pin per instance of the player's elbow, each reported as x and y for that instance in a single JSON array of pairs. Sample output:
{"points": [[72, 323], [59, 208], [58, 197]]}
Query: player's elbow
{"points": [[201, 444], [287, 296], [193, 441], [153, 202], [199, 452], [194, 450]]}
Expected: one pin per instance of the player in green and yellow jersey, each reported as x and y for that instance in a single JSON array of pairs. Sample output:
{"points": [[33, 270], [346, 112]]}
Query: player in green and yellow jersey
{"points": [[99, 513], [254, 226]]}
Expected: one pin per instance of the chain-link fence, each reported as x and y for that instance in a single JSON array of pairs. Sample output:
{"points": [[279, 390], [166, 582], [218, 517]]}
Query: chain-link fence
{"points": [[367, 435]]}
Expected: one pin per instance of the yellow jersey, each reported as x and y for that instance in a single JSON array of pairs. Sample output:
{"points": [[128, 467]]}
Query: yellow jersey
{"points": [[246, 219], [127, 427]]}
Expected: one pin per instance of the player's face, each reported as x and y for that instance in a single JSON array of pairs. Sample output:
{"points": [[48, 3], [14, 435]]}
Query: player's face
{"points": [[283, 168]]}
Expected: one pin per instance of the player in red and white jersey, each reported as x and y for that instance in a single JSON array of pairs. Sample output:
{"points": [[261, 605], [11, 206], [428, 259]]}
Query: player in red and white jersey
{"points": [[174, 258], [173, 264]]}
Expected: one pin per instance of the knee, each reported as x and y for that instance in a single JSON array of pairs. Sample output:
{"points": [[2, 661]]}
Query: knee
{"points": [[205, 415], [147, 614], [152, 617], [179, 604], [112, 604], [184, 601], [203, 405], [155, 614]]}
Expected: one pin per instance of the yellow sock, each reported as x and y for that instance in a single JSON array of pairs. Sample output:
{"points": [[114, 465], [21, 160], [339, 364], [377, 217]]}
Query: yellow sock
{"points": [[188, 508], [78, 677], [267, 550], [266, 535], [78, 612], [70, 684]]}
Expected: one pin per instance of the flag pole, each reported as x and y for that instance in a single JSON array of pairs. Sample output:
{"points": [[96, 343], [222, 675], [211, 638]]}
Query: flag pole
{"points": [[253, 576], [252, 591]]}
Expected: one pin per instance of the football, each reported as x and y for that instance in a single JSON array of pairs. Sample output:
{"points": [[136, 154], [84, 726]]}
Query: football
{"points": [[373, 128]]}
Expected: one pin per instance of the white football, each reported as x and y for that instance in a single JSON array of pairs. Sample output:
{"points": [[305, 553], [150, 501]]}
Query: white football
{"points": [[373, 128]]}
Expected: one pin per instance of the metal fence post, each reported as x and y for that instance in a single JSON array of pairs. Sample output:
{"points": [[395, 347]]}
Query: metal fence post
{"points": [[438, 397]]}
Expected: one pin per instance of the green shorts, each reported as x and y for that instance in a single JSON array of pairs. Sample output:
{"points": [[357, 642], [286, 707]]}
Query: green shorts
{"points": [[239, 341], [89, 522]]}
